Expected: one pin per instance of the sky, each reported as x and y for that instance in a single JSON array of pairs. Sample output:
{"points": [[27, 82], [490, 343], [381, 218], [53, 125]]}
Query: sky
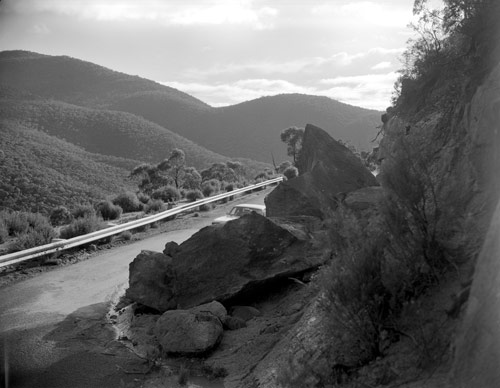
{"points": [[226, 51]]}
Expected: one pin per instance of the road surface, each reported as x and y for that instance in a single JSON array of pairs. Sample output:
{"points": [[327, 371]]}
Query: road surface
{"points": [[52, 334]]}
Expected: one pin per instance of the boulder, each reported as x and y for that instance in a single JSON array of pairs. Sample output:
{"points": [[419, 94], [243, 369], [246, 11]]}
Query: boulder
{"points": [[185, 332], [233, 323], [245, 313], [327, 169], [238, 259], [215, 308], [152, 281], [365, 199], [219, 262]]}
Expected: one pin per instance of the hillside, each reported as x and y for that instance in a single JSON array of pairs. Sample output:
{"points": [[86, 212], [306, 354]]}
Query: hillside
{"points": [[102, 131], [39, 171], [250, 129]]}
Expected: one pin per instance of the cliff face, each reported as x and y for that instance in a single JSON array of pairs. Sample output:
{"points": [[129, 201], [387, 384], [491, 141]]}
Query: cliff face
{"points": [[460, 149]]}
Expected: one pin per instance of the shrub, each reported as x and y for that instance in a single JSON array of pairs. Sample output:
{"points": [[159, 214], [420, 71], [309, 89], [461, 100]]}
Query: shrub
{"points": [[291, 172], [128, 201], [60, 215], [41, 235], [154, 206], [81, 226], [83, 211], [16, 223], [143, 197], [4, 233], [126, 236], [108, 211], [206, 207], [355, 297], [166, 194], [193, 195], [210, 187]]}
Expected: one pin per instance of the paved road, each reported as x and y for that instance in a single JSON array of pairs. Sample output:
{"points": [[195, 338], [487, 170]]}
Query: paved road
{"points": [[50, 324]]}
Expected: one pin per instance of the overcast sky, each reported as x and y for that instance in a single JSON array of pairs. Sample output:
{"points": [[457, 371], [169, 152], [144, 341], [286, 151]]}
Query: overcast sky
{"points": [[226, 51]]}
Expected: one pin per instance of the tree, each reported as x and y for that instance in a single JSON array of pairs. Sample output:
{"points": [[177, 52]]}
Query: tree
{"points": [[219, 171], [177, 164], [293, 138], [192, 179]]}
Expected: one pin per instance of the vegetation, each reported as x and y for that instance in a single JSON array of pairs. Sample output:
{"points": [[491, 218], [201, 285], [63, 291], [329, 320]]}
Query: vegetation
{"points": [[81, 226], [108, 211], [385, 262], [128, 201], [293, 139]]}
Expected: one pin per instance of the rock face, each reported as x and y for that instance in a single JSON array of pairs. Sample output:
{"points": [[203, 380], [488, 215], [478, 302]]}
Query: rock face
{"points": [[188, 332], [240, 257], [478, 343], [152, 281], [326, 169]]}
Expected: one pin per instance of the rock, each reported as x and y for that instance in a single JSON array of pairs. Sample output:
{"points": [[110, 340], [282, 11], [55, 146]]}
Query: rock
{"points": [[215, 308], [477, 348], [326, 168], [152, 281], [239, 258], [171, 248], [245, 313], [184, 332], [364, 199], [234, 323]]}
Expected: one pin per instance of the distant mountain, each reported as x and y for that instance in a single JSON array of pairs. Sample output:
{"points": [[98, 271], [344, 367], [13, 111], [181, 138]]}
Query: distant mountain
{"points": [[250, 129], [104, 132]]}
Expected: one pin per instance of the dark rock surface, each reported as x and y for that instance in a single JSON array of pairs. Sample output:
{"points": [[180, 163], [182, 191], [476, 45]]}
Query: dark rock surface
{"points": [[152, 281], [478, 342], [241, 257], [187, 332], [327, 170]]}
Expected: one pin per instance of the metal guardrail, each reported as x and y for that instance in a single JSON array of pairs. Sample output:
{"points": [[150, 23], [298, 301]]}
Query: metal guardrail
{"points": [[31, 253]]}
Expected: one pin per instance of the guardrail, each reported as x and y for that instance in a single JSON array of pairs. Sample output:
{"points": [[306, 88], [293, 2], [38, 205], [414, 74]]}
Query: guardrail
{"points": [[31, 253]]}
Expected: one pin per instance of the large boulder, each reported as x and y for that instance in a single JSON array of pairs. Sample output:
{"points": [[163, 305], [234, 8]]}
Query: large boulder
{"points": [[238, 259], [188, 332], [152, 281], [327, 170], [220, 262]]}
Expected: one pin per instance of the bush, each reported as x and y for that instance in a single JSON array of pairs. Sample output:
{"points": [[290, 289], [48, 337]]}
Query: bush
{"points": [[355, 295], [166, 194], [108, 211], [210, 187], [193, 195], [41, 235], [154, 206], [81, 226], [4, 233], [126, 236], [143, 197], [206, 207], [60, 215], [83, 211], [128, 201], [291, 172], [16, 223]]}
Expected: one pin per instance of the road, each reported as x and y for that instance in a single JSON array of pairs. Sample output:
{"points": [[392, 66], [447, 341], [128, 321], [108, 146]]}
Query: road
{"points": [[51, 324]]}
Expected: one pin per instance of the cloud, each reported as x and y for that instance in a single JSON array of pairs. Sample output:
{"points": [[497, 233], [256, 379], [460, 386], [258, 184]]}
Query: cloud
{"points": [[238, 91], [40, 29], [381, 65], [208, 12], [372, 91], [367, 90]]}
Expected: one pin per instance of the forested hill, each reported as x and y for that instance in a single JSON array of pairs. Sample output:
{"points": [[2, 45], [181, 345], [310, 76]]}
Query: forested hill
{"points": [[249, 129]]}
